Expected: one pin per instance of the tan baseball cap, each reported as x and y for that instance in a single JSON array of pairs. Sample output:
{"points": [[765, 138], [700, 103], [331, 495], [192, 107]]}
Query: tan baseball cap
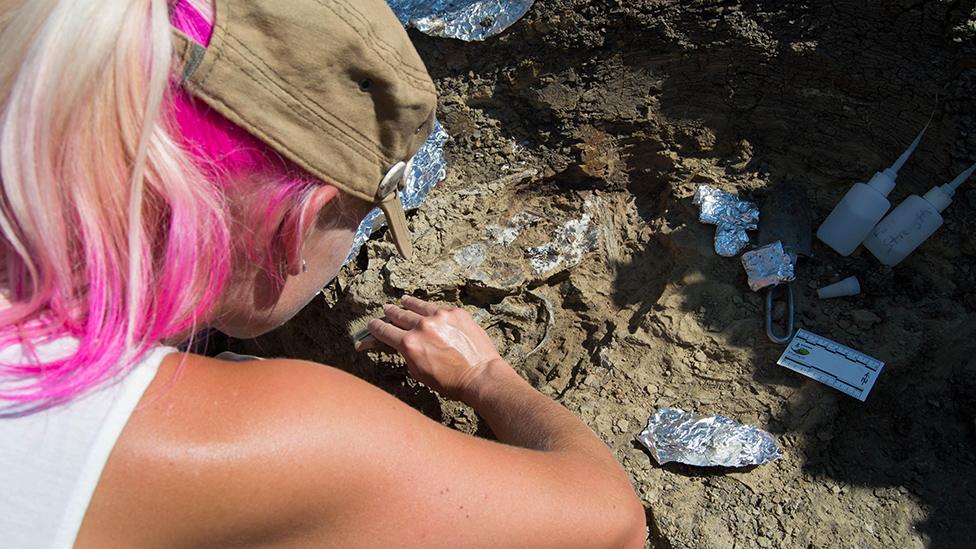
{"points": [[335, 86]]}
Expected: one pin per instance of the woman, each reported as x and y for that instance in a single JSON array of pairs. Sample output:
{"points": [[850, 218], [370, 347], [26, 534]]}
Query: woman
{"points": [[157, 180]]}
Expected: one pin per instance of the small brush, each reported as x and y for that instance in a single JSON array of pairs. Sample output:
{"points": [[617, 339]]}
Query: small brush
{"points": [[363, 340]]}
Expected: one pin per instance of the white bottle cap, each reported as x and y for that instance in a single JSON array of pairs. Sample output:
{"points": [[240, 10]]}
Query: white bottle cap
{"points": [[883, 181], [938, 197], [847, 287]]}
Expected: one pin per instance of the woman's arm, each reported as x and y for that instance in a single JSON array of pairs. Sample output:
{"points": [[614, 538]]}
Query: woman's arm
{"points": [[448, 351], [294, 454]]}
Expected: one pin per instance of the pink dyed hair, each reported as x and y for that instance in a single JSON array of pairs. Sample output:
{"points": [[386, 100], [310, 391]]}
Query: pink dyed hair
{"points": [[225, 151], [113, 193]]}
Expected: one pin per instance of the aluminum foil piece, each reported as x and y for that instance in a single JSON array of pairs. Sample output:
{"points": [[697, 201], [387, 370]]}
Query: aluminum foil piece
{"points": [[571, 241], [769, 266], [427, 170], [510, 231], [673, 434], [471, 257], [731, 216], [466, 20], [478, 264]]}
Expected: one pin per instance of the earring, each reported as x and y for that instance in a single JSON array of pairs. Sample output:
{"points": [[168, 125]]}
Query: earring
{"points": [[304, 266]]}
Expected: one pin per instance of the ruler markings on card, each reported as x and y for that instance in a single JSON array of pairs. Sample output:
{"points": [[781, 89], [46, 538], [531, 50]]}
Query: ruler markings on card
{"points": [[845, 369], [832, 377]]}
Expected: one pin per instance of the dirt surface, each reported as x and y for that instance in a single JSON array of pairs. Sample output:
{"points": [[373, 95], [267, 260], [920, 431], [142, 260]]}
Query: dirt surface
{"points": [[588, 126]]}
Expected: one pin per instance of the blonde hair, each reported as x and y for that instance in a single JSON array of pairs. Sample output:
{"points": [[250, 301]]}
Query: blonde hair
{"points": [[111, 232]]}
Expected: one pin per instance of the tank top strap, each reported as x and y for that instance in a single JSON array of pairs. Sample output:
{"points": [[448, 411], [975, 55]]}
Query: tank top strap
{"points": [[51, 460]]}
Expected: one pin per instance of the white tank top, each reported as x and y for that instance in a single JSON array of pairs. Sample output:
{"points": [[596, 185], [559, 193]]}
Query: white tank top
{"points": [[50, 461]]}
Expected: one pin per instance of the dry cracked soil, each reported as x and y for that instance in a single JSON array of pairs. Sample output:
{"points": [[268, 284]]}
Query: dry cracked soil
{"points": [[566, 225]]}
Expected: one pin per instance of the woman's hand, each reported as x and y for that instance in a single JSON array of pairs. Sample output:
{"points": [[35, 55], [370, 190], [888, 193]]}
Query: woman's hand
{"points": [[444, 347]]}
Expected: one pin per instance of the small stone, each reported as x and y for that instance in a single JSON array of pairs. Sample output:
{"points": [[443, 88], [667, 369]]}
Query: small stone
{"points": [[602, 423], [779, 311], [865, 318], [623, 425], [650, 389], [700, 356]]}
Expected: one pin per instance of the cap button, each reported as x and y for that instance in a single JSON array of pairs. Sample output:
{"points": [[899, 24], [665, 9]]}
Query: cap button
{"points": [[406, 173], [392, 180]]}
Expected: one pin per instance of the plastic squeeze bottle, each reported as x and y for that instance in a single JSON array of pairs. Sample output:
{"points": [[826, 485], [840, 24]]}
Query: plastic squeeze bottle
{"points": [[912, 222], [862, 207]]}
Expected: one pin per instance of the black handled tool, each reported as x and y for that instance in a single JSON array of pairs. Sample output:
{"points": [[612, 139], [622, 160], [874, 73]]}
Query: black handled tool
{"points": [[785, 216]]}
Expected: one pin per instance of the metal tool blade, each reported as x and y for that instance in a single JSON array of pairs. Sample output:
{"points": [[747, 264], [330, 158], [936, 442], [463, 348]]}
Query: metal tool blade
{"points": [[785, 216]]}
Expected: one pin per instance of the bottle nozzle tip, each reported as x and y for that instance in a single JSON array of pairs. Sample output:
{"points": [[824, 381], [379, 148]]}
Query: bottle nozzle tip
{"points": [[961, 178], [911, 149]]}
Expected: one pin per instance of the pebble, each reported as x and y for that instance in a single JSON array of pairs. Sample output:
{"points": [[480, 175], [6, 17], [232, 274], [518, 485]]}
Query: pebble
{"points": [[865, 318], [623, 425], [779, 310], [700, 356]]}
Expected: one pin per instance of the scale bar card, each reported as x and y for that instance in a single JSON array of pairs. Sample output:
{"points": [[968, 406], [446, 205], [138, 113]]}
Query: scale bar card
{"points": [[831, 363]]}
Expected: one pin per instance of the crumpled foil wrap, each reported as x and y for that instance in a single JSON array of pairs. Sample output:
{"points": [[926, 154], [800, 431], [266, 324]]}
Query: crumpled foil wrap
{"points": [[429, 168], [570, 242], [731, 216], [706, 441], [462, 19], [768, 266], [510, 231]]}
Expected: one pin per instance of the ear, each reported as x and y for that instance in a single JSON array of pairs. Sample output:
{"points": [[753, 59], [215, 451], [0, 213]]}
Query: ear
{"points": [[299, 226]]}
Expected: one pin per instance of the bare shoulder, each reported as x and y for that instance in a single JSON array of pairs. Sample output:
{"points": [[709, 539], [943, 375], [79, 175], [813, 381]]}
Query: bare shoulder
{"points": [[222, 451], [295, 454]]}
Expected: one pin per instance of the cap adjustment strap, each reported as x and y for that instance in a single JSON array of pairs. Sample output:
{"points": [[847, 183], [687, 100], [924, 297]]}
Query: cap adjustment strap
{"points": [[391, 182]]}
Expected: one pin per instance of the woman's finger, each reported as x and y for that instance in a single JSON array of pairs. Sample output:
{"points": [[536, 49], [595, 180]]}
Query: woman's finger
{"points": [[418, 306], [401, 318], [387, 333]]}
